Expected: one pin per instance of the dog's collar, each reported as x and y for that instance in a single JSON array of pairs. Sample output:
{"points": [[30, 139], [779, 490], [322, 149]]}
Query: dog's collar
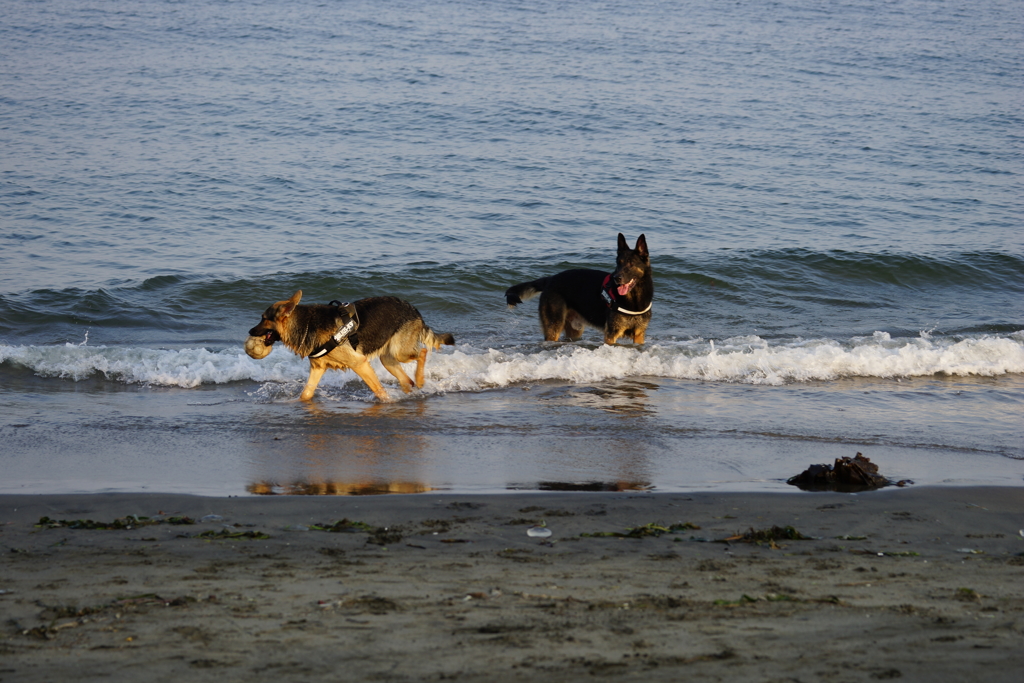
{"points": [[609, 294], [350, 323], [623, 310]]}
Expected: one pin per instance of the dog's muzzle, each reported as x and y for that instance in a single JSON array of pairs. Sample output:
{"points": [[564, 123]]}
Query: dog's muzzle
{"points": [[268, 336]]}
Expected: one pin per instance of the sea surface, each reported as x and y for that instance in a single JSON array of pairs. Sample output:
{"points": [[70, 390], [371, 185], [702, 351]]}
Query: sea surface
{"points": [[831, 191]]}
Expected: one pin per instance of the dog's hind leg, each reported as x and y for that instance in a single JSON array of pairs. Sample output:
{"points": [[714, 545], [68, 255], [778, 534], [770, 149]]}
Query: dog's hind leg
{"points": [[367, 374], [574, 326], [421, 360], [394, 367], [553, 312]]}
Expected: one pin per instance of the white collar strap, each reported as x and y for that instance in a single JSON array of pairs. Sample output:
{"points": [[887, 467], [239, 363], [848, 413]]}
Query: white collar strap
{"points": [[623, 310]]}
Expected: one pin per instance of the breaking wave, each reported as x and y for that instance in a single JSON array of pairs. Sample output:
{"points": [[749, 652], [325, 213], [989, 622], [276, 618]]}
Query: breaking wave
{"points": [[750, 360]]}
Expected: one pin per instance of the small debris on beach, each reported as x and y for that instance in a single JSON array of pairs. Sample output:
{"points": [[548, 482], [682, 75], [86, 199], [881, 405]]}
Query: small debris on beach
{"points": [[649, 529], [746, 600], [226, 534], [344, 526], [968, 595], [767, 536], [847, 475], [125, 523], [385, 535]]}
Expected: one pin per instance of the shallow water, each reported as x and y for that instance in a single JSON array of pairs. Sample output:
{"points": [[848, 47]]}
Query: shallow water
{"points": [[832, 196]]}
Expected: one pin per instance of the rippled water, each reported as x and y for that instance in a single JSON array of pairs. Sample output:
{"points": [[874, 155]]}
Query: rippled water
{"points": [[831, 192]]}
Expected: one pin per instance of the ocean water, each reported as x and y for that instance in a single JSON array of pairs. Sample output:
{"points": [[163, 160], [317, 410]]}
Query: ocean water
{"points": [[832, 194]]}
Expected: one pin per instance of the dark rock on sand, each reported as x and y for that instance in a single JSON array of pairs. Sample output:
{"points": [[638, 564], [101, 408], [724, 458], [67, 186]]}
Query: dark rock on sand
{"points": [[846, 475]]}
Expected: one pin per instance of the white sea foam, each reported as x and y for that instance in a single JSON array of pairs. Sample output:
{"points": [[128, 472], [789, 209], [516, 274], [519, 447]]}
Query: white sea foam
{"points": [[749, 360], [162, 367]]}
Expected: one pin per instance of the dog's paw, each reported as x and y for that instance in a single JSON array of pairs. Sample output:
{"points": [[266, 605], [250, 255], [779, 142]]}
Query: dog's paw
{"points": [[255, 348]]}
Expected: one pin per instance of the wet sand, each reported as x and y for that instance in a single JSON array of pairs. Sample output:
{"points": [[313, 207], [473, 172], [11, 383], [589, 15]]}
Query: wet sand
{"points": [[919, 584]]}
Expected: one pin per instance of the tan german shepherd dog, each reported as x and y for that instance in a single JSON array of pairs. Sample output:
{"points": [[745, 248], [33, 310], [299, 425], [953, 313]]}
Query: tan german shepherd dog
{"points": [[617, 303], [385, 327]]}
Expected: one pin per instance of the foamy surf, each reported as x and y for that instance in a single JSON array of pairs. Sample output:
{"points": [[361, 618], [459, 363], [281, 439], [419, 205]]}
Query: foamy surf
{"points": [[750, 360], [187, 368]]}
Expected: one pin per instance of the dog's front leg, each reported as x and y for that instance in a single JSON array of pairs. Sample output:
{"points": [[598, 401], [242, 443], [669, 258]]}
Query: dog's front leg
{"points": [[316, 372]]}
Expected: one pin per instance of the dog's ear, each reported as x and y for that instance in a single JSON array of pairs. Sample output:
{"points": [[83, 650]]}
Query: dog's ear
{"points": [[623, 246], [288, 306], [641, 247]]}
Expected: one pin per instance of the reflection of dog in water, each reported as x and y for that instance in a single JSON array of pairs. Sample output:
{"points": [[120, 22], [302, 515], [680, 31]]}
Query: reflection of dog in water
{"points": [[346, 336], [334, 488], [619, 303]]}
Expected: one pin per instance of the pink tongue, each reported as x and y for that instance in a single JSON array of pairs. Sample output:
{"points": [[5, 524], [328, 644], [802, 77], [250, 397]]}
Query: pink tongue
{"points": [[624, 289]]}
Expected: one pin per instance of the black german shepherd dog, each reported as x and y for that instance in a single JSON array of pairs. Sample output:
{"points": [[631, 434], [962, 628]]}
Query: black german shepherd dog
{"points": [[618, 303]]}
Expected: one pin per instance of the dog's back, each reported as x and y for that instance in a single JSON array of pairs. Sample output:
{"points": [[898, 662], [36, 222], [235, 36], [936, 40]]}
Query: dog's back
{"points": [[386, 321], [389, 325], [578, 290]]}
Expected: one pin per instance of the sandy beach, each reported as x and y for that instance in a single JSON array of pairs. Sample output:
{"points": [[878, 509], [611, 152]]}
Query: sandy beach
{"points": [[919, 584]]}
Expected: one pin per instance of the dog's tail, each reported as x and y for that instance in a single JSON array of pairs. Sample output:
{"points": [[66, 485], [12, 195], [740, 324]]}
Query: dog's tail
{"points": [[433, 340], [517, 294]]}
